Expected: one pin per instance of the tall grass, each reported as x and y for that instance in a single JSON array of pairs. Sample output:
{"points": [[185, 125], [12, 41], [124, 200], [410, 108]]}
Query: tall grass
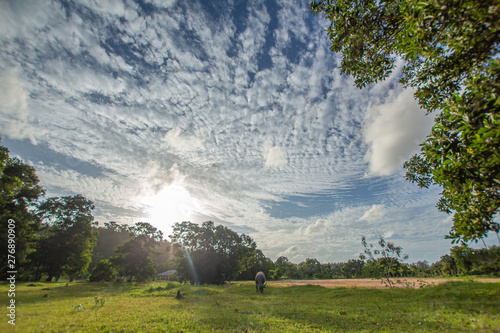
{"points": [[152, 307]]}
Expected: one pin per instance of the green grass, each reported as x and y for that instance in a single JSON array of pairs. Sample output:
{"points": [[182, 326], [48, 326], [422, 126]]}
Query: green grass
{"points": [[152, 307]]}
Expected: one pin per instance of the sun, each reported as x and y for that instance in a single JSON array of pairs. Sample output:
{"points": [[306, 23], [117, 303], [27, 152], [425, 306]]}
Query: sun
{"points": [[170, 205]]}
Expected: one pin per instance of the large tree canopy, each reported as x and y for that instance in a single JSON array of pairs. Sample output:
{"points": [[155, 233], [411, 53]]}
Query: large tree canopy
{"points": [[66, 246], [216, 253], [450, 50], [134, 257], [19, 191]]}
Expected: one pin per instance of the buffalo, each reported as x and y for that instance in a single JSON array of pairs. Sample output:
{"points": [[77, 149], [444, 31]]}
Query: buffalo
{"points": [[260, 282]]}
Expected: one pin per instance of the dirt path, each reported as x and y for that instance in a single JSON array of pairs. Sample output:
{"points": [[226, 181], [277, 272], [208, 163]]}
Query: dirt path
{"points": [[369, 283]]}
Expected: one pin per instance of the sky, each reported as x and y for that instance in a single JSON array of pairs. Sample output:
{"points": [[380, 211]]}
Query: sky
{"points": [[232, 111]]}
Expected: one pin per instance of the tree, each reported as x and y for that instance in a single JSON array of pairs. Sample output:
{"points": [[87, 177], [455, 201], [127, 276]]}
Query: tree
{"points": [[134, 257], [420, 268], [147, 233], [213, 254], [256, 263], [450, 50], [385, 262], [104, 270], [133, 261], [448, 265], [309, 269], [108, 238], [164, 255], [282, 269], [19, 192], [462, 155], [67, 243], [353, 268]]}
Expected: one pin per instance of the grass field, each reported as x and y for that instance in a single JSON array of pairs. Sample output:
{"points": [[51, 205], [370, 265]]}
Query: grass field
{"points": [[152, 307]]}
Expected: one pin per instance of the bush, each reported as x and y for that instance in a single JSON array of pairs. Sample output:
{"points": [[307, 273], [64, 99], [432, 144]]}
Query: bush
{"points": [[104, 270]]}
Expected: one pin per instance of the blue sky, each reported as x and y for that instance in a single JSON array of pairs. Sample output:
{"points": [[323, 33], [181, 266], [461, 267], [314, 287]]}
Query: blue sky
{"points": [[233, 111]]}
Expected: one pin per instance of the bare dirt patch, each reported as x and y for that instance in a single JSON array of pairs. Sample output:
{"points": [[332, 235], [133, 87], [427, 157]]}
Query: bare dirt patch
{"points": [[370, 283]]}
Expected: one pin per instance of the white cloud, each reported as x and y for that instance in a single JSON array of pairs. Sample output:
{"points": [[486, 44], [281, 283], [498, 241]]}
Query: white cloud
{"points": [[318, 227], [107, 190], [14, 96], [291, 251], [162, 3], [274, 156], [389, 234], [393, 131], [185, 142], [376, 212]]}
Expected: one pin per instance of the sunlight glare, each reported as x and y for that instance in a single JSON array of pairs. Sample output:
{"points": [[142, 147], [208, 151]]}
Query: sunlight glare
{"points": [[170, 205]]}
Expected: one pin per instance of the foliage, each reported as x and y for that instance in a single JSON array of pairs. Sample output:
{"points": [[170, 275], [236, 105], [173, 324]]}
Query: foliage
{"points": [[152, 307], [134, 257], [109, 237], [464, 260], [450, 51], [164, 256], [441, 41], [310, 269], [19, 192], [384, 263], [448, 266], [147, 233], [254, 264], [105, 270], [420, 268], [99, 301], [462, 155], [216, 253], [353, 268], [68, 240], [283, 269]]}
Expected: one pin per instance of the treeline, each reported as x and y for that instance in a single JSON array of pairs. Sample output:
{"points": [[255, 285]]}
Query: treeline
{"points": [[58, 237], [215, 254]]}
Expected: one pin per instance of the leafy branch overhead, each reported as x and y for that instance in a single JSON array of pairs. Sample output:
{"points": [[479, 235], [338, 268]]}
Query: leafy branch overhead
{"points": [[450, 50]]}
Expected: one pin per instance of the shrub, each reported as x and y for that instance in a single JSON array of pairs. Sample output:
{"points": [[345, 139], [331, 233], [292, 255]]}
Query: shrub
{"points": [[104, 270]]}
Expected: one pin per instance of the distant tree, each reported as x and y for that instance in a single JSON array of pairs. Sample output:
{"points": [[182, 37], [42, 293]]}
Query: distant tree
{"points": [[336, 270], [113, 226], [462, 255], [67, 243], [164, 255], [19, 192], [386, 261], [326, 271], [133, 261], [148, 233], [352, 268], [216, 253], [105, 270], [420, 268], [108, 239], [464, 260], [486, 261], [450, 50], [255, 263], [281, 268], [134, 257], [448, 265], [310, 269]]}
